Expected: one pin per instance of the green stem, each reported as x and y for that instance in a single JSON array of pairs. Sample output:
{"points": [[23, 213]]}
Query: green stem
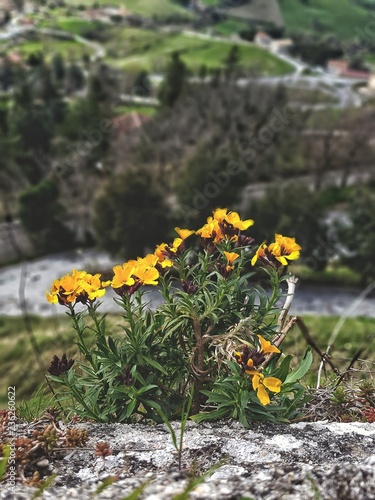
{"points": [[81, 344]]}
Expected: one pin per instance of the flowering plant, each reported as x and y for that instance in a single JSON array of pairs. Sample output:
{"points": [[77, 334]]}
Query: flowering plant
{"points": [[213, 337]]}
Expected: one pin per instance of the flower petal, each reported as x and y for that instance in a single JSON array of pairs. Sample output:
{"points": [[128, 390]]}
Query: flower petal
{"points": [[262, 395]]}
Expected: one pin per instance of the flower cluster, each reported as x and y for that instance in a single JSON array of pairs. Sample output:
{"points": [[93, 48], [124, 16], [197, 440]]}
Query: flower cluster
{"points": [[251, 360], [133, 274], [166, 252], [79, 286], [278, 253], [225, 226], [129, 277]]}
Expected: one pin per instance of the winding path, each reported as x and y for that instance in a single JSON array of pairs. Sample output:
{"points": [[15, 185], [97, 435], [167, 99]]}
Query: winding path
{"points": [[325, 301]]}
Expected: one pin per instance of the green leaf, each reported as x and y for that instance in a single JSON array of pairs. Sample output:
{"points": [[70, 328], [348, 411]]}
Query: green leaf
{"points": [[112, 345], [131, 407], [212, 415], [283, 370], [303, 368], [218, 398], [46, 483], [136, 493], [169, 425], [4, 460], [245, 397], [156, 365], [146, 388]]}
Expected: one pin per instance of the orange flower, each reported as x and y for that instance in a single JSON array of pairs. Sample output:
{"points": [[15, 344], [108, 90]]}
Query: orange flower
{"points": [[278, 253], [231, 257], [259, 254], [260, 383], [79, 286], [146, 274], [284, 249], [266, 347], [123, 276], [224, 225], [183, 233]]}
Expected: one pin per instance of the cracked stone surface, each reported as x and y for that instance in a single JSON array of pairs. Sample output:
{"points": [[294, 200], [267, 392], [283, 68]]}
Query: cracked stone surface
{"points": [[311, 460]]}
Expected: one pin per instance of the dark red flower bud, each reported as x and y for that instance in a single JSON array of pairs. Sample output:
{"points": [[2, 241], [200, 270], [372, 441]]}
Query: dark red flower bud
{"points": [[60, 366]]}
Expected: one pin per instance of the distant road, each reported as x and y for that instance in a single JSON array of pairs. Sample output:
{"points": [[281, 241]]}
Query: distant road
{"points": [[325, 301]]}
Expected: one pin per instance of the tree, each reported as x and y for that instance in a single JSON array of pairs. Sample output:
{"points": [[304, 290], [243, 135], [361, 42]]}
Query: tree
{"points": [[206, 182], [142, 84], [43, 217], [358, 237], [58, 67], [75, 79], [35, 127], [46, 86], [7, 17], [7, 76], [130, 215], [232, 59], [35, 59], [174, 81]]}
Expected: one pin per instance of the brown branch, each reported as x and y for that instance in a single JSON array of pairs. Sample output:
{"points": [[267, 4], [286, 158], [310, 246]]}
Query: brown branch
{"points": [[310, 341], [279, 339], [354, 360]]}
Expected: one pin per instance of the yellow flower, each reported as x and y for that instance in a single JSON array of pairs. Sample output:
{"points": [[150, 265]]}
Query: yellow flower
{"points": [[183, 233], [206, 230], [284, 249], [146, 274], [151, 260], [266, 346], [160, 251], [231, 257], [123, 275], [211, 230], [166, 263], [79, 286], [92, 286], [69, 287], [52, 295], [224, 225], [259, 254], [234, 219], [219, 214], [260, 383], [175, 245]]}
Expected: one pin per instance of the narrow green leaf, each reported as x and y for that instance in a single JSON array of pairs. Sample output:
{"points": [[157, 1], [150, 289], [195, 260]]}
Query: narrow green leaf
{"points": [[156, 365], [112, 345], [137, 492], [4, 460], [283, 370], [303, 368], [47, 482]]}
